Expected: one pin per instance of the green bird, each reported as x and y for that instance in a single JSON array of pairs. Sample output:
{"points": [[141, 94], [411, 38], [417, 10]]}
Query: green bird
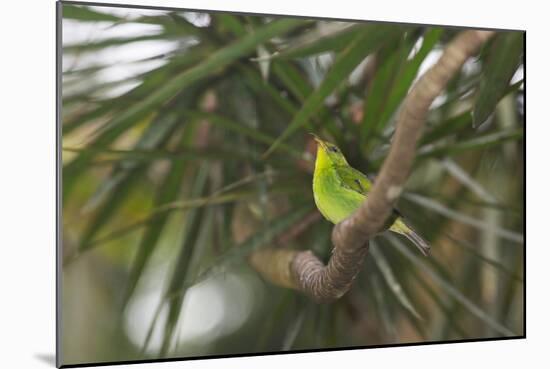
{"points": [[339, 190]]}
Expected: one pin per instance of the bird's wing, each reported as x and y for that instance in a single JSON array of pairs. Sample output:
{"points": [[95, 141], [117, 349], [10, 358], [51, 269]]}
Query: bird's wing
{"points": [[354, 180]]}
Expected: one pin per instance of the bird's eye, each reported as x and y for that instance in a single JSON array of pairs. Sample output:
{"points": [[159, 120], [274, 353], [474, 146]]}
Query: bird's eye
{"points": [[333, 148]]}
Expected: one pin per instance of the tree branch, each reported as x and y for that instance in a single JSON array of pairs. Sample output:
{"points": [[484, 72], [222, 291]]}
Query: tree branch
{"points": [[302, 270]]}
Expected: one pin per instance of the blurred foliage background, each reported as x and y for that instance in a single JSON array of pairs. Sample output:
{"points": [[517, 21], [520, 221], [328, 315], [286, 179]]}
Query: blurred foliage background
{"points": [[166, 116]]}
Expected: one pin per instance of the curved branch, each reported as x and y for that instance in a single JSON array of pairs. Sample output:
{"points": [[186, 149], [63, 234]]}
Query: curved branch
{"points": [[303, 270]]}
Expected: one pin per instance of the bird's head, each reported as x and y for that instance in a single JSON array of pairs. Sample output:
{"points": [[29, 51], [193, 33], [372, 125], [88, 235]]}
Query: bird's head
{"points": [[328, 154]]}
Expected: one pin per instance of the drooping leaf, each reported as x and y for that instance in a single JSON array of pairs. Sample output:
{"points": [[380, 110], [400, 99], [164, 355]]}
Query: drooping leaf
{"points": [[261, 238], [450, 289], [242, 129], [84, 13], [154, 136], [494, 263], [180, 273], [365, 42], [391, 281], [502, 62], [467, 180], [463, 218], [151, 80], [167, 192], [318, 41], [215, 199], [408, 73], [295, 82], [382, 305], [257, 84], [143, 156], [446, 128], [211, 66], [476, 143], [277, 311], [294, 330], [440, 301], [113, 191], [115, 41], [391, 59]]}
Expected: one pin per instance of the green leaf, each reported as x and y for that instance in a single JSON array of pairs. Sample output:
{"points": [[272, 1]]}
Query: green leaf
{"points": [[447, 128], [211, 66], [382, 305], [193, 228], [505, 55], [392, 59], [365, 42], [115, 41], [391, 281], [294, 329], [316, 42], [474, 250], [476, 143], [154, 136], [126, 173], [275, 315], [151, 81], [258, 85], [440, 301], [88, 94], [167, 208], [263, 237], [292, 79], [448, 287], [143, 156], [85, 14], [463, 218], [297, 85], [113, 191], [408, 73], [112, 200], [242, 129], [220, 197], [467, 180], [167, 192], [230, 23]]}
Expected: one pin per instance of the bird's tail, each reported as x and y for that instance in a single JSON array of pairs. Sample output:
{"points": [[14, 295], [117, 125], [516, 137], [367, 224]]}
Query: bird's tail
{"points": [[418, 241], [403, 228]]}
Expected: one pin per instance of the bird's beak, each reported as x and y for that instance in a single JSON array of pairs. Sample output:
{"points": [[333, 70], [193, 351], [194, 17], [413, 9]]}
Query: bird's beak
{"points": [[319, 141]]}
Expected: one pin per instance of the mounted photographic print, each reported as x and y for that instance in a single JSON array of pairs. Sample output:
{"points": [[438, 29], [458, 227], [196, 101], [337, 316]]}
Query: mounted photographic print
{"points": [[240, 184]]}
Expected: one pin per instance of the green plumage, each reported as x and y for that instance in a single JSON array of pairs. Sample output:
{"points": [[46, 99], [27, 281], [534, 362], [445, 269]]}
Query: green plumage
{"points": [[339, 190]]}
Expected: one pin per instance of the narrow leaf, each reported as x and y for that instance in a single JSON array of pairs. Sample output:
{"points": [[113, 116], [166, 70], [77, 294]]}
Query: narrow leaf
{"points": [[115, 41], [502, 62], [476, 143], [167, 192], [474, 250], [463, 218], [242, 129], [207, 68], [84, 13], [181, 267], [391, 281], [293, 330], [447, 128], [392, 59], [450, 289], [364, 43], [316, 41], [237, 252], [408, 73]]}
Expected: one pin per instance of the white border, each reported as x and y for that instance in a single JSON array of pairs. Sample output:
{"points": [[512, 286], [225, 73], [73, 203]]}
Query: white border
{"points": [[27, 164]]}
